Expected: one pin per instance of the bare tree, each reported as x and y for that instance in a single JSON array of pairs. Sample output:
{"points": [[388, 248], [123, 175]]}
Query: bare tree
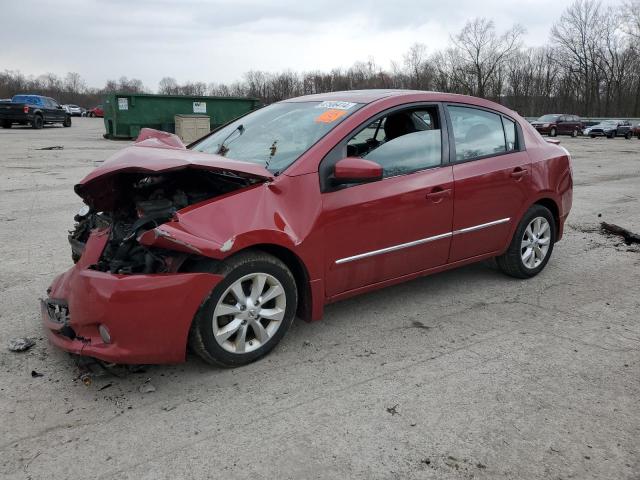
{"points": [[168, 86], [481, 52], [74, 83]]}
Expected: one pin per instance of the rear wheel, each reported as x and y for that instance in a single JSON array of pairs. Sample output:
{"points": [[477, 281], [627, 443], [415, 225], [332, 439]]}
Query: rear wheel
{"points": [[574, 133], [6, 124], [592, 136], [67, 121], [247, 313], [628, 135], [532, 244], [91, 114], [37, 122]]}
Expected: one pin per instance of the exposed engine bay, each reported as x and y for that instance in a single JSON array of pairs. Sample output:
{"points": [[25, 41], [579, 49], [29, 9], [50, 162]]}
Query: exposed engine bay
{"points": [[144, 202]]}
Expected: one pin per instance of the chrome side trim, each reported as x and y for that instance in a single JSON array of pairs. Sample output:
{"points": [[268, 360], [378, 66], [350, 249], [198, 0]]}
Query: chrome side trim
{"points": [[394, 248], [421, 241], [481, 226]]}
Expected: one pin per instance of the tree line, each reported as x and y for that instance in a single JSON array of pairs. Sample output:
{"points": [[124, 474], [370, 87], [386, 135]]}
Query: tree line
{"points": [[590, 66]]}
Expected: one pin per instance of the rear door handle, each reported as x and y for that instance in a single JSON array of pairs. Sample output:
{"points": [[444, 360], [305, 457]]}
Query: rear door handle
{"points": [[438, 194], [519, 172]]}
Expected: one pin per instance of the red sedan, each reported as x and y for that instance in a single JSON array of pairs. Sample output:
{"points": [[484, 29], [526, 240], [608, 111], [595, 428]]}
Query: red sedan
{"points": [[96, 111], [305, 202]]}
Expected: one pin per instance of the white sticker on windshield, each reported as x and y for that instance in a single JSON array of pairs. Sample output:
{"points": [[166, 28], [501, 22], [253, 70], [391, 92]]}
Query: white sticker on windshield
{"points": [[337, 105], [123, 104]]}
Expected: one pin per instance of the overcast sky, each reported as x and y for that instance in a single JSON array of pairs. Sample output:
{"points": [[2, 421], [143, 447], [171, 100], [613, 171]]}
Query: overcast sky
{"points": [[216, 41]]}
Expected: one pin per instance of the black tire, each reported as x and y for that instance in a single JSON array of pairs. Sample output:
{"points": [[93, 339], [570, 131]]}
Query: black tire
{"points": [[553, 132], [511, 261], [37, 122], [574, 134], [201, 336], [613, 134], [6, 124], [592, 136], [67, 121], [628, 135], [91, 114]]}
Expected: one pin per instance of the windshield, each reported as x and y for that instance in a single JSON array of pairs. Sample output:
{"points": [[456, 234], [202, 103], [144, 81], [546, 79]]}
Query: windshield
{"points": [[275, 136], [548, 118]]}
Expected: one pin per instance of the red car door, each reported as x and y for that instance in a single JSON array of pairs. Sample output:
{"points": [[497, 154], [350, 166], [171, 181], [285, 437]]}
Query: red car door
{"points": [[491, 181], [398, 225]]}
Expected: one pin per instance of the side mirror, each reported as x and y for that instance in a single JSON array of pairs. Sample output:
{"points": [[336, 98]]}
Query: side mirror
{"points": [[356, 170]]}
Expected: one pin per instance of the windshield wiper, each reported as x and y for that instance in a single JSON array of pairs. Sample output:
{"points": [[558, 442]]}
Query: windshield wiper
{"points": [[223, 149]]}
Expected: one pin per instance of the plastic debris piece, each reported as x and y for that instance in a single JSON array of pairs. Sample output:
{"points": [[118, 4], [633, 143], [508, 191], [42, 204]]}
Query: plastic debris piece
{"points": [[21, 344]]}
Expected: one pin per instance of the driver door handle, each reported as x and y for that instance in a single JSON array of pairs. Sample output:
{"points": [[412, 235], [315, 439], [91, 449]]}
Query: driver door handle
{"points": [[438, 194]]}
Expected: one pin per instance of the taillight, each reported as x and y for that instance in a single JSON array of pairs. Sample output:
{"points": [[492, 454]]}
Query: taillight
{"points": [[25, 109]]}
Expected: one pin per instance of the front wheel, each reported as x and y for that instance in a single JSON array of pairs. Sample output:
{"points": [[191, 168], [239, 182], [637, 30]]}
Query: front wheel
{"points": [[553, 132], [67, 121], [247, 313], [7, 124], [628, 135], [532, 244], [574, 134]]}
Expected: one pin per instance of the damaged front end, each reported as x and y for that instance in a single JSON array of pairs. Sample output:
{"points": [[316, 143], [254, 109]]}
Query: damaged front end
{"points": [[131, 296], [143, 203]]}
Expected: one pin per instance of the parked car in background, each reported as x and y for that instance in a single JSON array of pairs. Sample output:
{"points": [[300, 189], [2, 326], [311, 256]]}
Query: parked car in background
{"points": [[74, 110], [34, 110], [558, 124], [610, 129], [636, 131], [96, 111], [299, 204]]}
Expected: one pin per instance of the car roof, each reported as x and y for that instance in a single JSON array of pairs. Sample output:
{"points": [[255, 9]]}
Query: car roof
{"points": [[369, 96]]}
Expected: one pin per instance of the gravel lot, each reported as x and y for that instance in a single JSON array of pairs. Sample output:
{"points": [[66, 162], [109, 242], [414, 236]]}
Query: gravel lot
{"points": [[466, 374]]}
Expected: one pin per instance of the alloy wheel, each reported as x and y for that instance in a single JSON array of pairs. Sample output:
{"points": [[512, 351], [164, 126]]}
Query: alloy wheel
{"points": [[249, 313], [535, 242]]}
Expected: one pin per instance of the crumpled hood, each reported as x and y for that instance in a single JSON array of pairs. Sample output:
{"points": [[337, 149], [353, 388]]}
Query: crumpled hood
{"points": [[156, 152]]}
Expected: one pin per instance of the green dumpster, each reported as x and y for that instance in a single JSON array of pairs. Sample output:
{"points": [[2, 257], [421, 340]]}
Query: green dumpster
{"points": [[126, 113]]}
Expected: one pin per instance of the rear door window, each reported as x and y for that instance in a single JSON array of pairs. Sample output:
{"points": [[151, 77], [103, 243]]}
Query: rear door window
{"points": [[477, 133]]}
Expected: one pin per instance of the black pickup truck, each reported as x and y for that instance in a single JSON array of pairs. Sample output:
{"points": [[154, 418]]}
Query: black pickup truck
{"points": [[34, 110]]}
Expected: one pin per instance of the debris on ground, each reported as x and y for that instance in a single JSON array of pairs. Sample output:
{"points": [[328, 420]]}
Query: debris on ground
{"points": [[393, 410], [367, 353], [419, 324], [54, 147], [628, 236], [306, 343], [147, 387], [168, 408], [35, 374], [20, 344], [104, 387]]}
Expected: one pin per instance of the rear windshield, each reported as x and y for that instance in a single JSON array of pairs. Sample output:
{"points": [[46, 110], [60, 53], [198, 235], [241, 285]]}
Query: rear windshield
{"points": [[548, 118], [275, 136], [31, 99]]}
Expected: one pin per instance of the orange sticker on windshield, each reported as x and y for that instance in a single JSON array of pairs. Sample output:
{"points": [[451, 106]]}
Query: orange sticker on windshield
{"points": [[331, 115]]}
